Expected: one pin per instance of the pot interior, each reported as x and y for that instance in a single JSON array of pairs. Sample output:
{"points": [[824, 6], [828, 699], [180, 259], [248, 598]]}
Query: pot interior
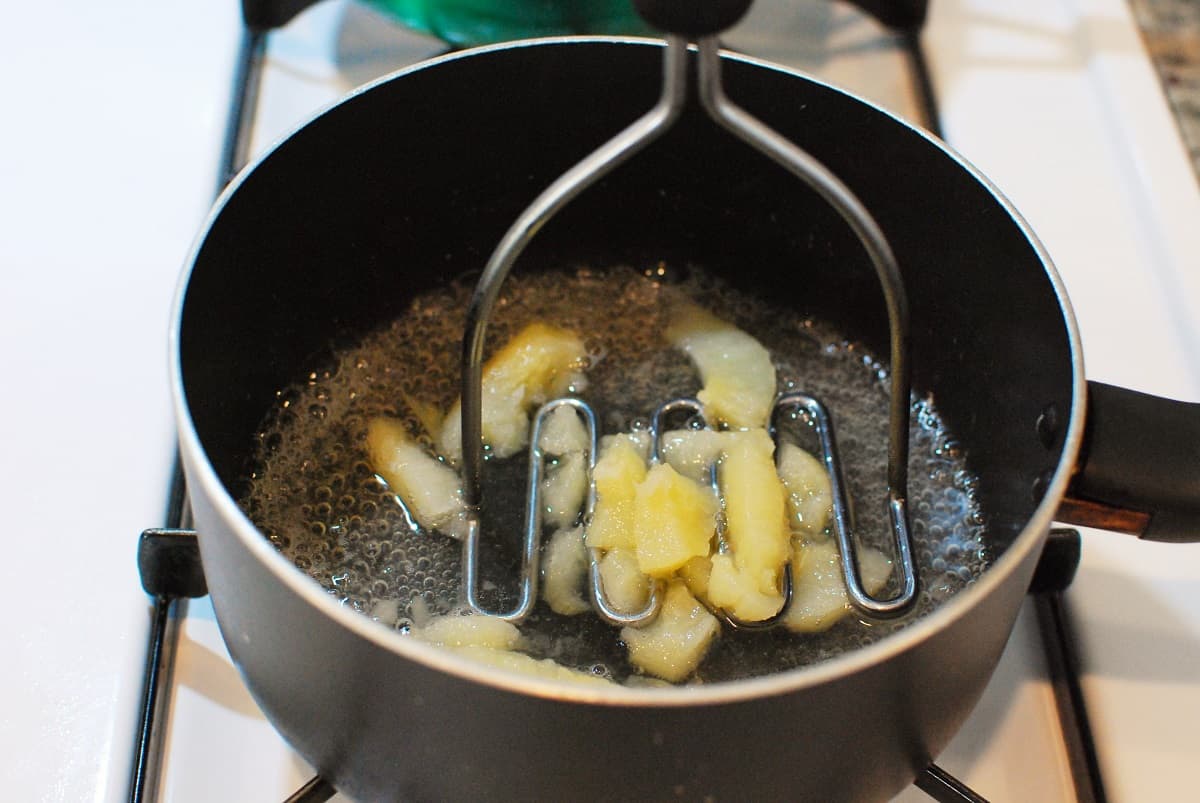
{"points": [[410, 185]]}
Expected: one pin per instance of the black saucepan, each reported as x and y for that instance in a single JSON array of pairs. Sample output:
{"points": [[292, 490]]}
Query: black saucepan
{"points": [[412, 182]]}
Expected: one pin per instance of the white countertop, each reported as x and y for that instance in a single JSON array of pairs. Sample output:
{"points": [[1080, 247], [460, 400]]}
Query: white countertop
{"points": [[1117, 208], [108, 151]]}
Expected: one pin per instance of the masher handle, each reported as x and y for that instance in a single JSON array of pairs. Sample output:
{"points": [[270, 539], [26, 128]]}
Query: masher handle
{"points": [[690, 18]]}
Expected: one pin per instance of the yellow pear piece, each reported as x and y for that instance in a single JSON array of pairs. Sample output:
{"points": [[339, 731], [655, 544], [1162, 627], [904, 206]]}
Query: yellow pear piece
{"points": [[692, 452], [521, 664], [819, 594], [564, 438], [737, 373], [429, 488], [675, 519], [564, 432], [625, 586], [472, 630], [618, 473], [564, 567], [739, 593], [809, 492], [696, 573], [564, 487], [674, 644], [538, 364], [491, 641], [755, 527]]}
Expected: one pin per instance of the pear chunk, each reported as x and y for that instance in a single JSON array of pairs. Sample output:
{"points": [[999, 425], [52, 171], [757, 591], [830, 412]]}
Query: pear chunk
{"points": [[736, 370], [538, 364], [692, 452], [565, 484], [618, 473], [754, 506], [675, 519], [626, 588], [429, 488], [474, 630], [819, 597], [563, 490], [563, 432], [491, 641], [696, 573], [564, 567], [522, 664], [809, 492], [739, 593], [674, 644]]}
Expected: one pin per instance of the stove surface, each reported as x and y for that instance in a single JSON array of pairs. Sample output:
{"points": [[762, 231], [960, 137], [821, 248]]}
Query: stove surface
{"points": [[118, 139]]}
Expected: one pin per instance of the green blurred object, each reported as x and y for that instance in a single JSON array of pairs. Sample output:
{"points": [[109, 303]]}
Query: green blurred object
{"points": [[476, 22]]}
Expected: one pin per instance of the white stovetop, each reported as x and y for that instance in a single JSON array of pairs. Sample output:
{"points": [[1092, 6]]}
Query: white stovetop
{"points": [[107, 165]]}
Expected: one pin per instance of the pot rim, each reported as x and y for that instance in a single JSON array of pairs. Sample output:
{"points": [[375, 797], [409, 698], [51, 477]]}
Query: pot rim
{"points": [[848, 663]]}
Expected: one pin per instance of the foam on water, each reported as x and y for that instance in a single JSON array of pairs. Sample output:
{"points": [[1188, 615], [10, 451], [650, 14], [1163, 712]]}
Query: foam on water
{"points": [[314, 495]]}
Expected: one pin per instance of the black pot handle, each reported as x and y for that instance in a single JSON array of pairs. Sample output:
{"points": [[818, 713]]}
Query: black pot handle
{"points": [[689, 18], [1139, 467], [263, 15], [899, 15]]}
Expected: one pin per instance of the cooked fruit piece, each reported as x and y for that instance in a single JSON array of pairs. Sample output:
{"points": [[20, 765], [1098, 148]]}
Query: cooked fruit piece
{"points": [[625, 586], [474, 630], [738, 377], [692, 452], [563, 432], [674, 520], [754, 507], [638, 440], [696, 573], [522, 664], [810, 495], [564, 439], [672, 646], [618, 472], [819, 593], [564, 567], [429, 488], [489, 640], [563, 490], [538, 364], [738, 592]]}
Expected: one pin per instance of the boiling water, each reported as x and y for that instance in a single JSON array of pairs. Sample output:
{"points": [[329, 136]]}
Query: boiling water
{"points": [[317, 499]]}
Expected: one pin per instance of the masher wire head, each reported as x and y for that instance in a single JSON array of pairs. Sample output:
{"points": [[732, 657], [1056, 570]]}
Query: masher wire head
{"points": [[587, 172]]}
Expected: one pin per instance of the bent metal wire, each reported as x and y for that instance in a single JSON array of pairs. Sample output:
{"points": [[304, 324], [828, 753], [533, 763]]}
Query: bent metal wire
{"points": [[583, 175]]}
